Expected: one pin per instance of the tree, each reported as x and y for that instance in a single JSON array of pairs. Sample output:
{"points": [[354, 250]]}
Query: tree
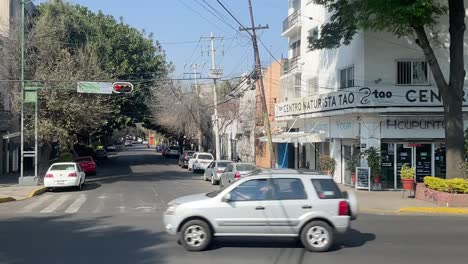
{"points": [[419, 19]]}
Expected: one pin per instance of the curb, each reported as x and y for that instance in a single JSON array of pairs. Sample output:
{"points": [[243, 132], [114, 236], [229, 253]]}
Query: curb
{"points": [[435, 210], [7, 199], [38, 191], [378, 211]]}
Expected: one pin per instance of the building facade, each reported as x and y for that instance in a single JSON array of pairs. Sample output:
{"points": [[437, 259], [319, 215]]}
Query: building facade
{"points": [[376, 92], [271, 82]]}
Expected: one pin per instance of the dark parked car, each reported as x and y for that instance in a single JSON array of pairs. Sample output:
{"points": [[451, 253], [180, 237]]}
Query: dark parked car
{"points": [[184, 158], [101, 154]]}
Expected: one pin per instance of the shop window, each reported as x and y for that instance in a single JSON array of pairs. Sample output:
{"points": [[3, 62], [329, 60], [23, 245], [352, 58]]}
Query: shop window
{"points": [[439, 160]]}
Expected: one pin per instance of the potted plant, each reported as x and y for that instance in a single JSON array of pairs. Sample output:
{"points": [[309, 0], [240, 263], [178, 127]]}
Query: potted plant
{"points": [[407, 177], [327, 164], [351, 164], [374, 162]]}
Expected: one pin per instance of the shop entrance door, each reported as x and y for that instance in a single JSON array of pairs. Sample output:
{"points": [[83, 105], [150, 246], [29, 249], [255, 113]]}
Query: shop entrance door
{"points": [[404, 155]]}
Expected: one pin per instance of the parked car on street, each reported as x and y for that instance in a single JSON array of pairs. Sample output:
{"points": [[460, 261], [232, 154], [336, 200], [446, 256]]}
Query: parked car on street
{"points": [[171, 152], [268, 203], [214, 171], [235, 171], [64, 174], [184, 158], [199, 161], [87, 165], [101, 154], [111, 148], [128, 143]]}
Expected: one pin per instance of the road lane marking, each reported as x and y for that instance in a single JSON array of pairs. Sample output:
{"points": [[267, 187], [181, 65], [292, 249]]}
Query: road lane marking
{"points": [[100, 205], [56, 204], [76, 205], [28, 208]]}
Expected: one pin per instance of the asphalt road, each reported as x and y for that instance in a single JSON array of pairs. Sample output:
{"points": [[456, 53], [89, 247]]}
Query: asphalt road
{"points": [[117, 219]]}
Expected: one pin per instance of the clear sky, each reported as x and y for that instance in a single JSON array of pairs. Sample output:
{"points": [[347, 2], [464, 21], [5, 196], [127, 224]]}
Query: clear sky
{"points": [[174, 21]]}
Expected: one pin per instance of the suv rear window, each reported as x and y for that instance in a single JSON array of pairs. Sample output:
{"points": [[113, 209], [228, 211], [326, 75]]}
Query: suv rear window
{"points": [[326, 189], [205, 157]]}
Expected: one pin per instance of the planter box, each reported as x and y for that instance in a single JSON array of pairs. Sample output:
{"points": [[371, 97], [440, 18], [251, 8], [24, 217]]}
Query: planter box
{"points": [[441, 198]]}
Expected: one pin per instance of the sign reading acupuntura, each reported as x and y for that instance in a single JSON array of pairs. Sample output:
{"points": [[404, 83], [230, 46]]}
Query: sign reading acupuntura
{"points": [[364, 97], [95, 87]]}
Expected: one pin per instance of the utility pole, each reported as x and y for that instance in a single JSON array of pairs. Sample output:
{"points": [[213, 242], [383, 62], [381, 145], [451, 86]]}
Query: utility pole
{"points": [[197, 91], [258, 71], [215, 98]]}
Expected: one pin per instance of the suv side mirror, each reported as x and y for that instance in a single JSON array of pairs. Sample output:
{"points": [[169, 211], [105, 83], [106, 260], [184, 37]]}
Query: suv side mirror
{"points": [[226, 198]]}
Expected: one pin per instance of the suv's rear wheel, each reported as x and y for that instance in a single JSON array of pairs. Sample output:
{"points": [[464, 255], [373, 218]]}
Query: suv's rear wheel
{"points": [[195, 235], [317, 236]]}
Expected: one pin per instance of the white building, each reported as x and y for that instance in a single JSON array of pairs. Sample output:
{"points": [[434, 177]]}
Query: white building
{"points": [[376, 92]]}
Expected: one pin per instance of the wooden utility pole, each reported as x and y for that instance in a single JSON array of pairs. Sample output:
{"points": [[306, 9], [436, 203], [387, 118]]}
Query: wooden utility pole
{"points": [[259, 73]]}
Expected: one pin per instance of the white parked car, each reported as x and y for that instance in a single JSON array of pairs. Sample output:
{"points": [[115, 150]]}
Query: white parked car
{"points": [[235, 171], [199, 161], [64, 174]]}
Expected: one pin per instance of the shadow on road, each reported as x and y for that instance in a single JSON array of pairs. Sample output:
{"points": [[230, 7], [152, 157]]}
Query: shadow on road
{"points": [[352, 239], [29, 240]]}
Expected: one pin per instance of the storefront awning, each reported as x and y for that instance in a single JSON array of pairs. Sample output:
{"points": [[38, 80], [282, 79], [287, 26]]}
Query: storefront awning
{"points": [[296, 138]]}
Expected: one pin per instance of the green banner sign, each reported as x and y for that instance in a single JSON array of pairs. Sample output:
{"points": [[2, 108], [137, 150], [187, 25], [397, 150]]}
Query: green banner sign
{"points": [[94, 87]]}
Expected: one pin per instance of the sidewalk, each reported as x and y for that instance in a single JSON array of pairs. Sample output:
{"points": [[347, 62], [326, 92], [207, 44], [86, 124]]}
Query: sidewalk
{"points": [[11, 191], [393, 202]]}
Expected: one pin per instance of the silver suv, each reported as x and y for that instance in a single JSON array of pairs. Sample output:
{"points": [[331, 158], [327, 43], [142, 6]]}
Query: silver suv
{"points": [[274, 203]]}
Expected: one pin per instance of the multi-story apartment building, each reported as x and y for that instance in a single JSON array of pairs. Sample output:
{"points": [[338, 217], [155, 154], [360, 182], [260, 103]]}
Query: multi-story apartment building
{"points": [[376, 92]]}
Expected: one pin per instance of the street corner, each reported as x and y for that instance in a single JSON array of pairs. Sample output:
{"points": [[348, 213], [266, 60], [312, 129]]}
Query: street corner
{"points": [[434, 210], [38, 191], [7, 199]]}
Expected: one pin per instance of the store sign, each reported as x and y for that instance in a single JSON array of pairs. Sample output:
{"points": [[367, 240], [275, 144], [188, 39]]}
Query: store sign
{"points": [[344, 128], [317, 125], [363, 178], [413, 128], [364, 97]]}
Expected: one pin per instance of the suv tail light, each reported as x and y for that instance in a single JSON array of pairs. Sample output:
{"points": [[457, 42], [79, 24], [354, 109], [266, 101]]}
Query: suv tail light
{"points": [[49, 175], [72, 174], [343, 208], [237, 175]]}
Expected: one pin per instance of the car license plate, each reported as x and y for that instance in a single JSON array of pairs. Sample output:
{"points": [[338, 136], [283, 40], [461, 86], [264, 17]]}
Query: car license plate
{"points": [[60, 182]]}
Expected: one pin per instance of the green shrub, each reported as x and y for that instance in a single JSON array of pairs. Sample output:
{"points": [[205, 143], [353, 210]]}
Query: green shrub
{"points": [[66, 157], [456, 185]]}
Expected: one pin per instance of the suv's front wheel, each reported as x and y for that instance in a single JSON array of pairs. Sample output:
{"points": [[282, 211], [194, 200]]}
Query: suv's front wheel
{"points": [[317, 236], [195, 235]]}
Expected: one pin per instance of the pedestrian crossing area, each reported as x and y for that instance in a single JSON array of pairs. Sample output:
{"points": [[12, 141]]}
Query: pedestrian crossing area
{"points": [[51, 203]]}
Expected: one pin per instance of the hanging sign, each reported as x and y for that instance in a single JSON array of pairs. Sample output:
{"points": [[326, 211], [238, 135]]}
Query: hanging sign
{"points": [[363, 178]]}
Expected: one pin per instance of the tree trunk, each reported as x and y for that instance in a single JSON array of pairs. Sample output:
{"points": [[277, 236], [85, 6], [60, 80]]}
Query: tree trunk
{"points": [[453, 108], [452, 93]]}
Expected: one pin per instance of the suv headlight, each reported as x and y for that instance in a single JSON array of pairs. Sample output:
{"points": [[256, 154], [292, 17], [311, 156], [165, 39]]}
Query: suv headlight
{"points": [[171, 209]]}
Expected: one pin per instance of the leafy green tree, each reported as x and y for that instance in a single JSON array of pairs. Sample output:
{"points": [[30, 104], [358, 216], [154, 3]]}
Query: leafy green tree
{"points": [[419, 19]]}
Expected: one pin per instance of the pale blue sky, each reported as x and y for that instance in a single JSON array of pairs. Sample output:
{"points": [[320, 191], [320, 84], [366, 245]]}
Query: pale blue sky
{"points": [[174, 21]]}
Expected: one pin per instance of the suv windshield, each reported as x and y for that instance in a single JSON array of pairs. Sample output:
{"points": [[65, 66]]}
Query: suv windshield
{"points": [[223, 164], [215, 193]]}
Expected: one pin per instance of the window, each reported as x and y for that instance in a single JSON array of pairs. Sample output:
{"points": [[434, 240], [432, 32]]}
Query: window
{"points": [[65, 167], [228, 168], [223, 164], [412, 72], [347, 77], [297, 85], [253, 190], [205, 157], [314, 33], [288, 189], [246, 167], [326, 189], [296, 49], [313, 85]]}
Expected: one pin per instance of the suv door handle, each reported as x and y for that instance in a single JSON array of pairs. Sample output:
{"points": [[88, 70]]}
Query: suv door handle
{"points": [[306, 207], [259, 208]]}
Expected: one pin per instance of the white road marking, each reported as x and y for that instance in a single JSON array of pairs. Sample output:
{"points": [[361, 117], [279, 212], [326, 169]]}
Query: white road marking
{"points": [[56, 204], [28, 208], [76, 205], [100, 203], [121, 208]]}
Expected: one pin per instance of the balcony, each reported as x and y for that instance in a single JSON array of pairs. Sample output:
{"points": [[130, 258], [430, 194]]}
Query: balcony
{"points": [[291, 23], [291, 65]]}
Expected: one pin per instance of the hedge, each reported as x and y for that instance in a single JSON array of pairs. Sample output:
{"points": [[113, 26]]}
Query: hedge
{"points": [[456, 185]]}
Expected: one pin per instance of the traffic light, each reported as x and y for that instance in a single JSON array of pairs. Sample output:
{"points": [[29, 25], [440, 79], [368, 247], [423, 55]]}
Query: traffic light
{"points": [[122, 87]]}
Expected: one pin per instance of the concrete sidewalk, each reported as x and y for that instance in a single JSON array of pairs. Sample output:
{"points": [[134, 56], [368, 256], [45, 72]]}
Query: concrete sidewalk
{"points": [[393, 202], [11, 191]]}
